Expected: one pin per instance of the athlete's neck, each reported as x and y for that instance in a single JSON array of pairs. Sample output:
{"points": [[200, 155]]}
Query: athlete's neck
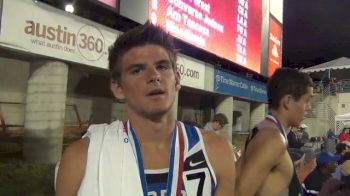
{"points": [[153, 131], [281, 117]]}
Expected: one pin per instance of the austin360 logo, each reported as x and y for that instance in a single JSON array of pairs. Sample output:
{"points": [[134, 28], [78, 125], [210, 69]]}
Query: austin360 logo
{"points": [[89, 40]]}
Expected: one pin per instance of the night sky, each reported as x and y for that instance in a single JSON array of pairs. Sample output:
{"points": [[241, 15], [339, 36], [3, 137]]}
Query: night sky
{"points": [[315, 31]]}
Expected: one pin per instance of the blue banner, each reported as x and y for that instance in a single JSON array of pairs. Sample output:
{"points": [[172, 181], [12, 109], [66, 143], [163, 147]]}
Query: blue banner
{"points": [[237, 86]]}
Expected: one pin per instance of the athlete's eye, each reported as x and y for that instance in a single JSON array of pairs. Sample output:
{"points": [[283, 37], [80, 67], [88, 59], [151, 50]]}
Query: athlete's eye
{"points": [[163, 67], [136, 70]]}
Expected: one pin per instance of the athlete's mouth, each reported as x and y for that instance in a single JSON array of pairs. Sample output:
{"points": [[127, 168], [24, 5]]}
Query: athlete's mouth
{"points": [[156, 92]]}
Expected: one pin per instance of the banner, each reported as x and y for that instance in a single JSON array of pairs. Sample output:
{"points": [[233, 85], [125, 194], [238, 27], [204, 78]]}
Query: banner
{"points": [[276, 9], [192, 71], [228, 28], [40, 29], [275, 46], [237, 86]]}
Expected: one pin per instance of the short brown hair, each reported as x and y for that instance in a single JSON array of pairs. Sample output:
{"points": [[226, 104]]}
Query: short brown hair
{"points": [[287, 81], [139, 36], [220, 118]]}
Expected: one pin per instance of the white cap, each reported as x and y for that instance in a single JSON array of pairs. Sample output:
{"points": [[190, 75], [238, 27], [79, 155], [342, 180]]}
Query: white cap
{"points": [[346, 142], [303, 126]]}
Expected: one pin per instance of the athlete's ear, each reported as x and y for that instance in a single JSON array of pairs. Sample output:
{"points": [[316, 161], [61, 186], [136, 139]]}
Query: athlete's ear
{"points": [[177, 80], [286, 102], [117, 89]]}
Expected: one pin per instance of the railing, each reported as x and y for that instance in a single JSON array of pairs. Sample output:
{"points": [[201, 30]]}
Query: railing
{"points": [[81, 124], [4, 125], [321, 103], [330, 89], [344, 86]]}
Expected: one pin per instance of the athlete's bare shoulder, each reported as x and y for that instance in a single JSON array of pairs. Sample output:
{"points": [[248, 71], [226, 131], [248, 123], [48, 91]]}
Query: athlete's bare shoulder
{"points": [[214, 140], [72, 168], [221, 157]]}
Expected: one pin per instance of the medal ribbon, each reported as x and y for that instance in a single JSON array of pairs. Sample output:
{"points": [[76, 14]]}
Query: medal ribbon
{"points": [[271, 117], [174, 182]]}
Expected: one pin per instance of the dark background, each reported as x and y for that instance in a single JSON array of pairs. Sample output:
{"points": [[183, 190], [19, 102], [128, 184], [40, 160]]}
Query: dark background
{"points": [[315, 31]]}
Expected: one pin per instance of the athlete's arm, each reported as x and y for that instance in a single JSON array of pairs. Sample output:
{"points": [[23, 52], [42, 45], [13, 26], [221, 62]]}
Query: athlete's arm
{"points": [[221, 157], [72, 168], [264, 152]]}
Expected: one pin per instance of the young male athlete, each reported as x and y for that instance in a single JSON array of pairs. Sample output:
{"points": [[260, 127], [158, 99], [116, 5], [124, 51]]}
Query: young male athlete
{"points": [[152, 153], [266, 167]]}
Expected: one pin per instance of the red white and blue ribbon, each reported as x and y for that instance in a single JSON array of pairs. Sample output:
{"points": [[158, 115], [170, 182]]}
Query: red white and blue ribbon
{"points": [[271, 117], [176, 163]]}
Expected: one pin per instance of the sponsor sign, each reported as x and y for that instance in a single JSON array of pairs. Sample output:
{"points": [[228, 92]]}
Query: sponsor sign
{"points": [[237, 86], [40, 29], [276, 9], [192, 71], [275, 46], [228, 28]]}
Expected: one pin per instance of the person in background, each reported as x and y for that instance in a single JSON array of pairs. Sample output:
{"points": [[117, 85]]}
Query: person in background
{"points": [[338, 187], [341, 149], [218, 122], [330, 141], [326, 166], [265, 168], [343, 157], [331, 135], [293, 140], [303, 135], [345, 179], [344, 135], [295, 144]]}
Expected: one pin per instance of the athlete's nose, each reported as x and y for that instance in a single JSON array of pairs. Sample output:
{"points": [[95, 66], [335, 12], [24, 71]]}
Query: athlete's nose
{"points": [[154, 75]]}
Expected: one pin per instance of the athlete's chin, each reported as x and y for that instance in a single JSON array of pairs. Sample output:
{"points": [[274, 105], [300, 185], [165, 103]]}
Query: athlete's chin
{"points": [[157, 112]]}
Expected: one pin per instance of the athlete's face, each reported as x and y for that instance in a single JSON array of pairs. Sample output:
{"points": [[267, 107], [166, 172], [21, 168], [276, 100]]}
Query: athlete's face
{"points": [[148, 81], [299, 108], [217, 126]]}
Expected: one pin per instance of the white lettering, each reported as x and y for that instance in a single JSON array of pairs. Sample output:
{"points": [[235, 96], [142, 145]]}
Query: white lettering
{"points": [[213, 24], [241, 49], [243, 3], [242, 40], [185, 34], [242, 35], [241, 59], [258, 90], [275, 39], [173, 14], [242, 11], [234, 83], [241, 20], [187, 9], [195, 26], [241, 30], [203, 5]]}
